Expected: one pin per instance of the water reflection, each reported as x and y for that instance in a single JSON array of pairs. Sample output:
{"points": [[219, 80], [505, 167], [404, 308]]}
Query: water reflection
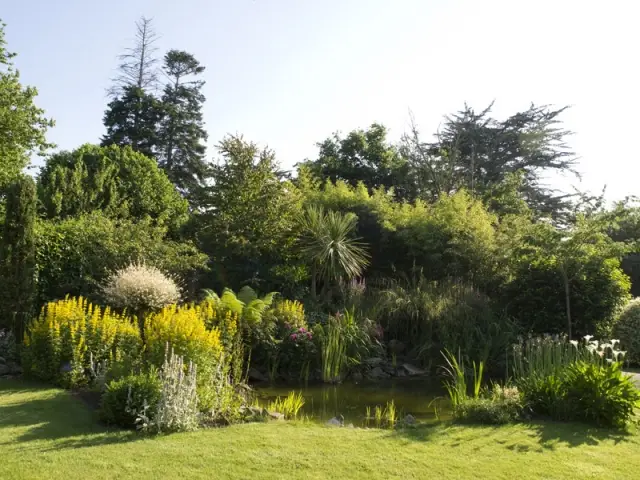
{"points": [[419, 397]]}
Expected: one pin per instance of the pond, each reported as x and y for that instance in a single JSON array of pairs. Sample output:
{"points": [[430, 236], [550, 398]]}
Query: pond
{"points": [[420, 397]]}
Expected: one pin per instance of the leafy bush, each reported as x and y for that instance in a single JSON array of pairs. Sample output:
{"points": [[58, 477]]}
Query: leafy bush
{"points": [[183, 329], [140, 288], [600, 394], [71, 334], [297, 353], [627, 329], [126, 398], [503, 406], [75, 256], [115, 180]]}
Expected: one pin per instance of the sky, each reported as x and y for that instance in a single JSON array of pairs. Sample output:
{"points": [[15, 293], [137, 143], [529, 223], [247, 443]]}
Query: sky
{"points": [[288, 73]]}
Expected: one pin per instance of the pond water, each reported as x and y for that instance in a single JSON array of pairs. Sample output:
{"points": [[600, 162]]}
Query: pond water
{"points": [[419, 397]]}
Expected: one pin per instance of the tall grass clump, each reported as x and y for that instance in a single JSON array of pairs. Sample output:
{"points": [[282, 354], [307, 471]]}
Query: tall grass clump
{"points": [[344, 343], [289, 406], [456, 378], [334, 353], [430, 316]]}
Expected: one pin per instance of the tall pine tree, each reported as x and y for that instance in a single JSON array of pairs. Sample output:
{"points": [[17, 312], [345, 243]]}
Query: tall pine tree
{"points": [[181, 151], [133, 115]]}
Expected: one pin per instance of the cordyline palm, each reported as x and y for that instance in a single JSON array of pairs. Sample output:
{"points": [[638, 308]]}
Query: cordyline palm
{"points": [[329, 246]]}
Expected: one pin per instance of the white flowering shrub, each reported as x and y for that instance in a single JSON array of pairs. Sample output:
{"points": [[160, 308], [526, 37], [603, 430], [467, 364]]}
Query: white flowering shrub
{"points": [[140, 287]]}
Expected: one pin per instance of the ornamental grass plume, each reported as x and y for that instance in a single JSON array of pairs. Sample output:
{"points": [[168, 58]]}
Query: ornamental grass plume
{"points": [[140, 288]]}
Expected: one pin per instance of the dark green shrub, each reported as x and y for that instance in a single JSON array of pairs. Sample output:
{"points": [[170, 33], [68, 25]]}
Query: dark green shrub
{"points": [[600, 394], [124, 399], [17, 255], [627, 330]]}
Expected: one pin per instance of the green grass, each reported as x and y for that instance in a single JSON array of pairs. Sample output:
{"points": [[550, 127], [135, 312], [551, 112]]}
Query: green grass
{"points": [[48, 433]]}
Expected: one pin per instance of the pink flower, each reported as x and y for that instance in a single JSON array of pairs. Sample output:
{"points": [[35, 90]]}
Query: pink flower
{"points": [[293, 337], [309, 335], [302, 329]]}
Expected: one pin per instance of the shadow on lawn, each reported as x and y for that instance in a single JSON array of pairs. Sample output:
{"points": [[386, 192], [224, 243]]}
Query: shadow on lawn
{"points": [[539, 436], [61, 420]]}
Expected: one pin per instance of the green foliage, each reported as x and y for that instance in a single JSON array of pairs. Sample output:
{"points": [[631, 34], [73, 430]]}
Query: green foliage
{"points": [[17, 255], [127, 397], [383, 417], [289, 406], [475, 151], [627, 329], [600, 394], [249, 221], [362, 156], [502, 405], [181, 133], [575, 380], [344, 342], [566, 281], [117, 181], [132, 119], [428, 317], [329, 247], [76, 256], [22, 124], [456, 378]]}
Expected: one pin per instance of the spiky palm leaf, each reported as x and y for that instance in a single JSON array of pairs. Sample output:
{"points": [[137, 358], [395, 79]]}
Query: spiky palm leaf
{"points": [[329, 244]]}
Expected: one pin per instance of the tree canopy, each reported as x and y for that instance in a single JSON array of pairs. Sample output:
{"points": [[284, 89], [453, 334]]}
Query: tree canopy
{"points": [[117, 181], [22, 124]]}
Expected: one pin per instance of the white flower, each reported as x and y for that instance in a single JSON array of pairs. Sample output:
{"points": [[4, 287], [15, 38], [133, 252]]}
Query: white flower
{"points": [[614, 342], [588, 337], [574, 343]]}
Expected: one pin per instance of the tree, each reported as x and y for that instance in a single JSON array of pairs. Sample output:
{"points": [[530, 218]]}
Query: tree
{"points": [[329, 246], [22, 124], [181, 152], [139, 64], [115, 180], [476, 151], [362, 156], [17, 256], [132, 119], [248, 220], [567, 281], [134, 114]]}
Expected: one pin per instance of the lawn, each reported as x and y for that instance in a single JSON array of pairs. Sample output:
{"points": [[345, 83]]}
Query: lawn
{"points": [[49, 433]]}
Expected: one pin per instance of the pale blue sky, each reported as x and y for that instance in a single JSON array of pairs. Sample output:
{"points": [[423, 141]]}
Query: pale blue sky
{"points": [[287, 73]]}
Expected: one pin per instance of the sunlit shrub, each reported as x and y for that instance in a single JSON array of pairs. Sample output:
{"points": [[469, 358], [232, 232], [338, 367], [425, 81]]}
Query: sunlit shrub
{"points": [[627, 329], [288, 314], [69, 334], [600, 394], [140, 287], [126, 398]]}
